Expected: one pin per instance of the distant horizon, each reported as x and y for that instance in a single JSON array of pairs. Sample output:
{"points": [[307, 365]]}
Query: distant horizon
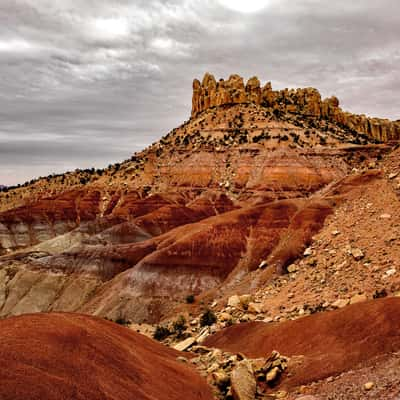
{"points": [[88, 85]]}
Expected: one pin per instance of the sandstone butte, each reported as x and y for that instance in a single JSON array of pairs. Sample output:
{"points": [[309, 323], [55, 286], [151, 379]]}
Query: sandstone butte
{"points": [[210, 93], [224, 205]]}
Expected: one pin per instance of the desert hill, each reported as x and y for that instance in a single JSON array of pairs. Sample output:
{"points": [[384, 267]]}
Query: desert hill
{"points": [[66, 356], [227, 114], [264, 206]]}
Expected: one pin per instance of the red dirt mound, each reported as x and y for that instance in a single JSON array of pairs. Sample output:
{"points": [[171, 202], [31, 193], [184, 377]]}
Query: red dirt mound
{"points": [[330, 342], [71, 356]]}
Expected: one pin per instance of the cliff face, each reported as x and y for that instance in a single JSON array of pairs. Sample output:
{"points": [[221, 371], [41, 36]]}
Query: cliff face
{"points": [[308, 102]]}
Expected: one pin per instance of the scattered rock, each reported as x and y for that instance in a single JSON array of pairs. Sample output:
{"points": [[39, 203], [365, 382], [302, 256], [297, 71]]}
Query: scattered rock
{"points": [[358, 298], [185, 344], [308, 252], [223, 317], [357, 254], [221, 379], [203, 334], [263, 264], [254, 308], [234, 301], [245, 300], [292, 268], [243, 383], [369, 385], [341, 303], [390, 272], [273, 374]]}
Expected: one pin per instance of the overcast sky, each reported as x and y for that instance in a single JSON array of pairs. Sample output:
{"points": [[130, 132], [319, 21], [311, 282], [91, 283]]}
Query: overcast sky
{"points": [[88, 82]]}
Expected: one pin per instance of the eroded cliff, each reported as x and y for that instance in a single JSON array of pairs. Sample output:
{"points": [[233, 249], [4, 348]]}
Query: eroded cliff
{"points": [[308, 102]]}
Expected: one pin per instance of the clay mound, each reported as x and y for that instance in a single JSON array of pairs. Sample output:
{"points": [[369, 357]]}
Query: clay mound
{"points": [[43, 220], [133, 207], [71, 356], [327, 343], [197, 257]]}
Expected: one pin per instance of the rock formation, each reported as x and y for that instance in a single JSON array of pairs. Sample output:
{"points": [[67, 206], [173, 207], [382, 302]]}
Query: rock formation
{"points": [[345, 337], [210, 93]]}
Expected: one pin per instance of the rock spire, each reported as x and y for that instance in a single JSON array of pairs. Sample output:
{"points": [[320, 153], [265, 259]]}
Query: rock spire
{"points": [[307, 101]]}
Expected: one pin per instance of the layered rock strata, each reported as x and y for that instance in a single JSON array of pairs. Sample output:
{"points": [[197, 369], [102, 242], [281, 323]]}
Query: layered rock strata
{"points": [[307, 101]]}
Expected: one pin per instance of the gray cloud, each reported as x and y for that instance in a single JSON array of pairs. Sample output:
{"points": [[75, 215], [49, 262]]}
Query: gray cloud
{"points": [[88, 82]]}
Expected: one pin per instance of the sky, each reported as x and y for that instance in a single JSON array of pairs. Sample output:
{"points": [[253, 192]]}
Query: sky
{"points": [[86, 83]]}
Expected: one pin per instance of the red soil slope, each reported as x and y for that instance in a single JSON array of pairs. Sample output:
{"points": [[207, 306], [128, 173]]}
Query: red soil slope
{"points": [[330, 342], [71, 356]]}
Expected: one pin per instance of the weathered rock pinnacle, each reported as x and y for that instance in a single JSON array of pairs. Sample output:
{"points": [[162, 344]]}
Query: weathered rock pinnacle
{"points": [[307, 101]]}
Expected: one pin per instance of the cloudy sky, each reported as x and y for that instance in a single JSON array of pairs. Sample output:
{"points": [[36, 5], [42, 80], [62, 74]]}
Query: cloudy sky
{"points": [[88, 82]]}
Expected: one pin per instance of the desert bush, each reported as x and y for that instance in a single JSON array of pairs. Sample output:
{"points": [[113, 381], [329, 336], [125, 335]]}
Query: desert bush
{"points": [[190, 299], [208, 318], [179, 326], [161, 333]]}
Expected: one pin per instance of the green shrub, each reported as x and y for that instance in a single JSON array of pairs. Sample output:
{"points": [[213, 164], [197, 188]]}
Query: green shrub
{"points": [[122, 321], [190, 299], [161, 333], [179, 326], [208, 318]]}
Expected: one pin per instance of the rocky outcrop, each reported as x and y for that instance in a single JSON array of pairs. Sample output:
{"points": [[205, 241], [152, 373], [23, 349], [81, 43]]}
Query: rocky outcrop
{"points": [[244, 385], [327, 343], [308, 102], [233, 376], [49, 217]]}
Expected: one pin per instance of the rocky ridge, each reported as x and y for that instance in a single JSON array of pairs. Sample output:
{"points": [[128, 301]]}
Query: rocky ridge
{"points": [[210, 93]]}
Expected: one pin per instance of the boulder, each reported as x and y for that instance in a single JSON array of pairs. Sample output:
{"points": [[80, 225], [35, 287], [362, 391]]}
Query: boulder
{"points": [[308, 252], [369, 386], [273, 374], [234, 301], [341, 303], [185, 344], [357, 254], [223, 317], [243, 382], [221, 378], [292, 268], [358, 298], [245, 300], [255, 308]]}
